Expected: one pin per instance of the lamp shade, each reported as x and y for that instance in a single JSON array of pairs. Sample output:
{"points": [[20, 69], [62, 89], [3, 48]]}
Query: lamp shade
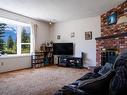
{"points": [[122, 19]]}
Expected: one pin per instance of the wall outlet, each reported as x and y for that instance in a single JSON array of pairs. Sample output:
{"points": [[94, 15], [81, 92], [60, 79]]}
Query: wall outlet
{"points": [[2, 63]]}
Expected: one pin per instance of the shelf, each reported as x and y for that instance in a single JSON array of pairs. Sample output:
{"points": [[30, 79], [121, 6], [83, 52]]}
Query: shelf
{"points": [[42, 57], [70, 62], [112, 36]]}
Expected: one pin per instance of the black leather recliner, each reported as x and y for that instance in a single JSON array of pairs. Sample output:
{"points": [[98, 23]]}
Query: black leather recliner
{"points": [[113, 82]]}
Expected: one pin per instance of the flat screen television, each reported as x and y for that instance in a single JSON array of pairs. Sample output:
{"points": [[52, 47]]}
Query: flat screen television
{"points": [[63, 48]]}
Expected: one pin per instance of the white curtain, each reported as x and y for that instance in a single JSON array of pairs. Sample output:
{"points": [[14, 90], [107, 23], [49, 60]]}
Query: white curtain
{"points": [[34, 37]]}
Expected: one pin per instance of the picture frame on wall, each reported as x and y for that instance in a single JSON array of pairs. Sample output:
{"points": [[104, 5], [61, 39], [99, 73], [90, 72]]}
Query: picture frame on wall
{"points": [[58, 37], [72, 34], [88, 35], [112, 18]]}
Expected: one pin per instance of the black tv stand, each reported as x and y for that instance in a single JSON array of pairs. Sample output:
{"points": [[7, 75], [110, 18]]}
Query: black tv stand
{"points": [[67, 61]]}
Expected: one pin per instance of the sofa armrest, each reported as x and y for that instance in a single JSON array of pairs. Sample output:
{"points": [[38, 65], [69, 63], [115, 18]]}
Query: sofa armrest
{"points": [[70, 90], [99, 84]]}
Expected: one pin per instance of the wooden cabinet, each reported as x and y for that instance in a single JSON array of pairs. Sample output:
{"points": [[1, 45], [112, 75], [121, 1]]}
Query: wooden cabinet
{"points": [[37, 59], [75, 62]]}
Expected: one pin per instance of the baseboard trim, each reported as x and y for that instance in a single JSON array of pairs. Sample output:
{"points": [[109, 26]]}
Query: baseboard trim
{"points": [[15, 70], [24, 69]]}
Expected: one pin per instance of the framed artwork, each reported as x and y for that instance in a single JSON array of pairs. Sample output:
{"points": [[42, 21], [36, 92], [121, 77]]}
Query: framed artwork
{"points": [[42, 47], [72, 34], [112, 18], [58, 37], [88, 35]]}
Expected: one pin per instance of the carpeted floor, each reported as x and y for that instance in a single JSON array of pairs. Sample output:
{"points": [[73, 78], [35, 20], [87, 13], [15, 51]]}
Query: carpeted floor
{"points": [[42, 81]]}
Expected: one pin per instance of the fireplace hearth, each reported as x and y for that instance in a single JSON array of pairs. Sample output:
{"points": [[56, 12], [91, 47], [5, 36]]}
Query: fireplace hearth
{"points": [[108, 55], [113, 38]]}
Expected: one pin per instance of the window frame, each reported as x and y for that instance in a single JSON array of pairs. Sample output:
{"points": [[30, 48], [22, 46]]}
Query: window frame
{"points": [[30, 43], [18, 34]]}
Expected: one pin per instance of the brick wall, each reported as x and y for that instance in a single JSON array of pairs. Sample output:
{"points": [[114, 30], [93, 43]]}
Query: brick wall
{"points": [[108, 30]]}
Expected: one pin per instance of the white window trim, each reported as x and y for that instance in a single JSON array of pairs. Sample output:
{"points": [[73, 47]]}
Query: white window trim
{"points": [[31, 41], [8, 21], [13, 55], [25, 43], [18, 41]]}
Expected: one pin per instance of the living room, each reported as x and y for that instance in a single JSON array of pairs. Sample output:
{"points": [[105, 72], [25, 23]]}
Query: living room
{"points": [[96, 33]]}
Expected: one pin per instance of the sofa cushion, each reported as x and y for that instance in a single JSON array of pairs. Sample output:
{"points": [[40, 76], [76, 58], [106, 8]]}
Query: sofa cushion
{"points": [[121, 59], [105, 68], [96, 69], [97, 85]]}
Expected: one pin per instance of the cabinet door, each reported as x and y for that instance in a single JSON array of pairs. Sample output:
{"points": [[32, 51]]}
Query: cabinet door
{"points": [[79, 62], [63, 61]]}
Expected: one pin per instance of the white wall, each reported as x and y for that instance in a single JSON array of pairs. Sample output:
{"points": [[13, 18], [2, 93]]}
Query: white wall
{"points": [[79, 27], [13, 63]]}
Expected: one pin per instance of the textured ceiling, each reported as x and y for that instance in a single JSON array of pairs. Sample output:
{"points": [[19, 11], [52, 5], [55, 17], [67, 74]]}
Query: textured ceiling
{"points": [[59, 10]]}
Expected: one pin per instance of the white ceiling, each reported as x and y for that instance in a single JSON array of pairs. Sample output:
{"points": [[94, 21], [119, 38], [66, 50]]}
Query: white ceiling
{"points": [[60, 10]]}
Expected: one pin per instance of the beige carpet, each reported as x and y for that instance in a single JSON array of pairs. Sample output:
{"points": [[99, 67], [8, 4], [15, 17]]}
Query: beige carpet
{"points": [[42, 81]]}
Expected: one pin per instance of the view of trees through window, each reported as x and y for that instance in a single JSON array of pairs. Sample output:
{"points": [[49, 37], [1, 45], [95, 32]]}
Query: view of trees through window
{"points": [[8, 38], [25, 40]]}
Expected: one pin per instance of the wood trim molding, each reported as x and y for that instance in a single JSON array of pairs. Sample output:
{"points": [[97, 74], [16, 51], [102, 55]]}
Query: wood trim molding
{"points": [[112, 36]]}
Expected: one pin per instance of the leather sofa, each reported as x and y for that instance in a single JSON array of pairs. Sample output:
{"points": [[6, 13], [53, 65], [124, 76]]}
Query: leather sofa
{"points": [[112, 82]]}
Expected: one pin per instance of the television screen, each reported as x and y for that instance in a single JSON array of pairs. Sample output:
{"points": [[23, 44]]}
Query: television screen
{"points": [[63, 48]]}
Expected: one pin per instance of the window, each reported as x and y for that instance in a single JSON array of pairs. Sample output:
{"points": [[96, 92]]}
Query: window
{"points": [[25, 39], [15, 37]]}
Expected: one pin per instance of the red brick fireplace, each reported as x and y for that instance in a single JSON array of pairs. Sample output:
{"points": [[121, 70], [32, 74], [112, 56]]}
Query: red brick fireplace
{"points": [[112, 36]]}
